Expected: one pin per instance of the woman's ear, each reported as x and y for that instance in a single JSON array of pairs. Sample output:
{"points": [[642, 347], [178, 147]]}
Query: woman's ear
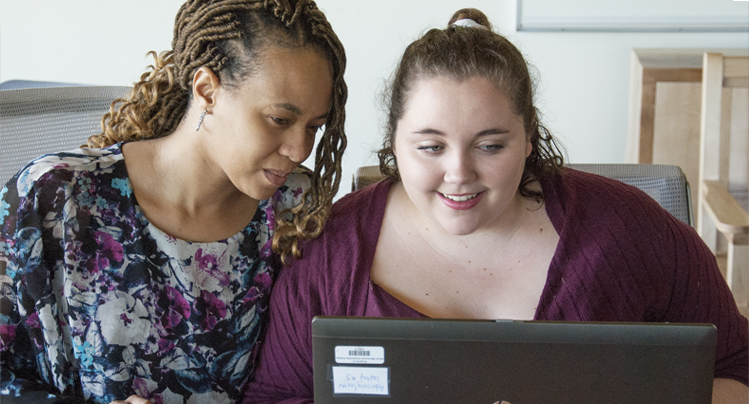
{"points": [[205, 87]]}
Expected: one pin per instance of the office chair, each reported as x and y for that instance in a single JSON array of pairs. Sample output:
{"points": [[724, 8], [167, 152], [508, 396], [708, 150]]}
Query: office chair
{"points": [[36, 121]]}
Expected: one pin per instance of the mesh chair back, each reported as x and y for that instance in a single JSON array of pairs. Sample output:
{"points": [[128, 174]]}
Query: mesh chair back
{"points": [[37, 121], [667, 184]]}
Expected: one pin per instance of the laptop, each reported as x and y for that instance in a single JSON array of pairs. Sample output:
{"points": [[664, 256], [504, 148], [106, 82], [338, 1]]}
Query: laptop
{"points": [[390, 360]]}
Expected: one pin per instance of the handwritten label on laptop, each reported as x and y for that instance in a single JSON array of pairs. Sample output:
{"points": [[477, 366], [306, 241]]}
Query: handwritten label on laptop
{"points": [[360, 380], [370, 355]]}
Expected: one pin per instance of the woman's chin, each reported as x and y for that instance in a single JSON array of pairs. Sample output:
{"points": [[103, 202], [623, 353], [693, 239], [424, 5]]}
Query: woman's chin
{"points": [[459, 228]]}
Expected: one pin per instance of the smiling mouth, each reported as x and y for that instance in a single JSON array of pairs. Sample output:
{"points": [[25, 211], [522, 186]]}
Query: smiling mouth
{"points": [[459, 198]]}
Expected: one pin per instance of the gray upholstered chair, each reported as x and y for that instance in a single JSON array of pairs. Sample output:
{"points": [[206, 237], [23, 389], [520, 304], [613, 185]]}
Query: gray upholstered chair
{"points": [[35, 121], [665, 183], [18, 84]]}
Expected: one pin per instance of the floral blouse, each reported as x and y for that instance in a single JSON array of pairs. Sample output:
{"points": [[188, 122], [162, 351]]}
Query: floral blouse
{"points": [[96, 302]]}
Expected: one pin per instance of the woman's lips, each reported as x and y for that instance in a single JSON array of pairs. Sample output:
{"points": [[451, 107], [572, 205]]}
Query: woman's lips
{"points": [[276, 177], [462, 201]]}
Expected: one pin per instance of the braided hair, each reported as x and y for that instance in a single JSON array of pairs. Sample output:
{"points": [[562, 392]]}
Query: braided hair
{"points": [[460, 53], [228, 37]]}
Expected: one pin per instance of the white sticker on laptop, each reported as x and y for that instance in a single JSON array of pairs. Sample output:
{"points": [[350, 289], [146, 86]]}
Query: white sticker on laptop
{"points": [[369, 355], [361, 380]]}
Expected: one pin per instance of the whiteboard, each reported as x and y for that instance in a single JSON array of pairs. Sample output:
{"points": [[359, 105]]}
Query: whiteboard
{"points": [[633, 15]]}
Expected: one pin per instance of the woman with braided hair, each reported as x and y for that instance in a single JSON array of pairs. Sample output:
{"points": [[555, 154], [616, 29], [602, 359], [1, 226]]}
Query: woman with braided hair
{"points": [[142, 264]]}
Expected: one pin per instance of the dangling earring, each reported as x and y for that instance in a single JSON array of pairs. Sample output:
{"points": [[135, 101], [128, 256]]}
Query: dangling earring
{"points": [[200, 120]]}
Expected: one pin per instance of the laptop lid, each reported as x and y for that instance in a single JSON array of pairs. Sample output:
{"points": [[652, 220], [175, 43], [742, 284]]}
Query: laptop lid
{"points": [[380, 360]]}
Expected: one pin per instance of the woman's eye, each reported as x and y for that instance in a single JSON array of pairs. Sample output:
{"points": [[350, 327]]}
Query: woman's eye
{"points": [[491, 147], [430, 149], [279, 121]]}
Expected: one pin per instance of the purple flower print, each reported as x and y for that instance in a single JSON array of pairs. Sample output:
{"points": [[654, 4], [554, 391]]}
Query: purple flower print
{"points": [[165, 346], [7, 334], [144, 388], [264, 281], [205, 261], [125, 319], [32, 321], [110, 248], [279, 197], [267, 249], [251, 297], [136, 310], [176, 306], [270, 214], [213, 309], [209, 275], [297, 192]]}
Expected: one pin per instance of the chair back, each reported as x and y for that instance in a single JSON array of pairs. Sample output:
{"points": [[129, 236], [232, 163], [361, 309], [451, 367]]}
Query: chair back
{"points": [[36, 121], [666, 184], [724, 147], [724, 168]]}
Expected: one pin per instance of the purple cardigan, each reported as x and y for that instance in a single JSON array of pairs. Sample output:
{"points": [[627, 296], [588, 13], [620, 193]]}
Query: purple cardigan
{"points": [[620, 257]]}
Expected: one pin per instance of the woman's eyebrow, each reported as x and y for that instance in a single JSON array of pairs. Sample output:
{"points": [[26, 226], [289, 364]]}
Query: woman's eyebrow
{"points": [[289, 107], [428, 131], [296, 110], [493, 131], [486, 132]]}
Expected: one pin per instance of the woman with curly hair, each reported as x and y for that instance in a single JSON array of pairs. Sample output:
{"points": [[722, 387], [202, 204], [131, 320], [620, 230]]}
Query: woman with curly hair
{"points": [[142, 264], [479, 219]]}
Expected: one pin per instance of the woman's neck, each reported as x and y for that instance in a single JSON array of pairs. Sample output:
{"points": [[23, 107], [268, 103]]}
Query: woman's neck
{"points": [[182, 191]]}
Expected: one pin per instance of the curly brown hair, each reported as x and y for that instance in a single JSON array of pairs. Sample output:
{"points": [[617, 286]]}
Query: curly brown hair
{"points": [[460, 53], [228, 37]]}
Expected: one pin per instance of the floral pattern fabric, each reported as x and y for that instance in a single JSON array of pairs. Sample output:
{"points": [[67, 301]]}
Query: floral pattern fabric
{"points": [[96, 302]]}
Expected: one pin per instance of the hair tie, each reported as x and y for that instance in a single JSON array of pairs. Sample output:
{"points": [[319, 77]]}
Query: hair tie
{"points": [[467, 23]]}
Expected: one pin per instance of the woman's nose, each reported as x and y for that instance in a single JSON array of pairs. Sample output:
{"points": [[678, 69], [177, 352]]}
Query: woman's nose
{"points": [[297, 145], [460, 168]]}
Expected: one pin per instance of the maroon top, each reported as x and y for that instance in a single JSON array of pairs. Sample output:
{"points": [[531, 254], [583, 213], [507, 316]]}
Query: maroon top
{"points": [[620, 257]]}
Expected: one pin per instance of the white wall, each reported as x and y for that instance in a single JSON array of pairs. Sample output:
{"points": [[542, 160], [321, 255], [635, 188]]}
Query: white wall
{"points": [[584, 77]]}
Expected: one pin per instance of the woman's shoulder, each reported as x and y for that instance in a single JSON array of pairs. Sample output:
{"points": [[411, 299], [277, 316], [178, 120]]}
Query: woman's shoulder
{"points": [[577, 199], [366, 205], [335, 265], [354, 223], [592, 189], [65, 166]]}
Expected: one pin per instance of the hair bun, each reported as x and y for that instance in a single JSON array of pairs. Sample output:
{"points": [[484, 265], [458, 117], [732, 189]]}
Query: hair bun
{"points": [[468, 23], [470, 18]]}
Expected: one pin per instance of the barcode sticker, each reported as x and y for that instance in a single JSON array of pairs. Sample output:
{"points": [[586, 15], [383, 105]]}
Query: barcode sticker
{"points": [[360, 354]]}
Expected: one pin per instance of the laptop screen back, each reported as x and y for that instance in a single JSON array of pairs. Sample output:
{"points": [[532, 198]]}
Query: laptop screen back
{"points": [[381, 360]]}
